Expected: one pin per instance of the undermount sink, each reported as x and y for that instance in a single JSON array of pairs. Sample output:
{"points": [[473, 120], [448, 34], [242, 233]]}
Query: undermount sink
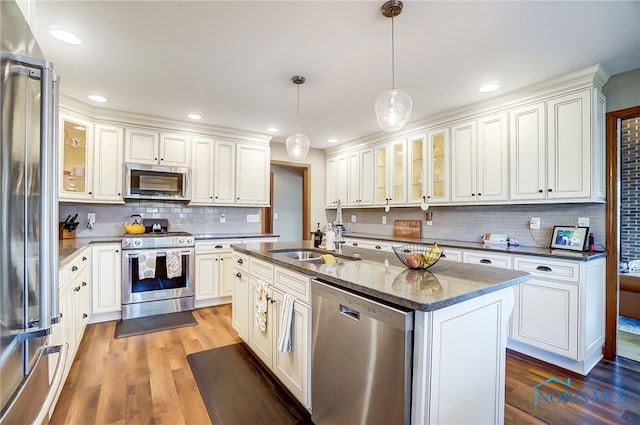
{"points": [[309, 255]]}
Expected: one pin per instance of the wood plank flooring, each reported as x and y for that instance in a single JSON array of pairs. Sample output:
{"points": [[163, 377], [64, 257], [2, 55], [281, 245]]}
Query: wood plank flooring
{"points": [[629, 345], [146, 380]]}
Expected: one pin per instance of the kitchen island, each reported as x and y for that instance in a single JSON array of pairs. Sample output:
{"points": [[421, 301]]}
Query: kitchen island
{"points": [[460, 323]]}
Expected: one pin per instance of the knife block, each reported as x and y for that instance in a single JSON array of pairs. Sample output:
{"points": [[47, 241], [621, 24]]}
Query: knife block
{"points": [[64, 233]]}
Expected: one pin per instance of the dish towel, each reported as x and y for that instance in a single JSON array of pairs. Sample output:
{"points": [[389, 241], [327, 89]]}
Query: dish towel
{"points": [[146, 265], [285, 342], [174, 263], [261, 305]]}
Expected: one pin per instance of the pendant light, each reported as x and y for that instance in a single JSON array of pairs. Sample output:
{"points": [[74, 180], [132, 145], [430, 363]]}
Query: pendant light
{"points": [[297, 143], [393, 107]]}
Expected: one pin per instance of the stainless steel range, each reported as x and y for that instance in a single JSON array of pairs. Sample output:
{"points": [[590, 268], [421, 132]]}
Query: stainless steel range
{"points": [[156, 271]]}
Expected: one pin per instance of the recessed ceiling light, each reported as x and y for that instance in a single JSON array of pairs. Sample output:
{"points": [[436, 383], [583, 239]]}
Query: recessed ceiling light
{"points": [[273, 130], [195, 116], [97, 98], [65, 37], [332, 140], [489, 87]]}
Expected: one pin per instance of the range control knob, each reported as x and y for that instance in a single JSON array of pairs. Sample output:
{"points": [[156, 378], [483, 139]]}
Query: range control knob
{"points": [[126, 242], [137, 242]]}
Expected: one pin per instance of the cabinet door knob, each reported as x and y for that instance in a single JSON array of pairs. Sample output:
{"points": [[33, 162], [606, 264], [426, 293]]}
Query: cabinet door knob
{"points": [[119, 194], [161, 159], [117, 250], [540, 191], [238, 275], [85, 315], [155, 159], [479, 194], [84, 258], [240, 261], [84, 283], [90, 193], [74, 268], [549, 190]]}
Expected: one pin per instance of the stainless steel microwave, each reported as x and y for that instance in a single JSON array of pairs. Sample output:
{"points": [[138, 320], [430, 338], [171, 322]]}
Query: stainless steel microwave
{"points": [[157, 182]]}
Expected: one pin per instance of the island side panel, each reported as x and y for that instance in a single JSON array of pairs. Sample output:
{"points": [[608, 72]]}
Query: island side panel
{"points": [[459, 361]]}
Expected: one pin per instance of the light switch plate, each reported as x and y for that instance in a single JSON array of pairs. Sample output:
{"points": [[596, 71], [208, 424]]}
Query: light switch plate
{"points": [[583, 221]]}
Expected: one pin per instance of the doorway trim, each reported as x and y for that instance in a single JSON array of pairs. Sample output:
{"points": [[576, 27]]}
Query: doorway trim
{"points": [[306, 197], [612, 227]]}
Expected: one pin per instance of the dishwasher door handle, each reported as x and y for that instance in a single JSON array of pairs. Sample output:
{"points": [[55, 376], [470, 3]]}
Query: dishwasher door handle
{"points": [[349, 312]]}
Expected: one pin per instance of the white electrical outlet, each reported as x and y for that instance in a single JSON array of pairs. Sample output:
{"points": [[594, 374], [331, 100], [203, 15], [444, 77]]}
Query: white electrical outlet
{"points": [[91, 217], [384, 219], [353, 218], [583, 221], [275, 216], [534, 223], [223, 218], [253, 218]]}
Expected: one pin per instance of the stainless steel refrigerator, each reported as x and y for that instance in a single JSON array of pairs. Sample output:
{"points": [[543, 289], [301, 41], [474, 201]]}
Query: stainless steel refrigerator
{"points": [[28, 225]]}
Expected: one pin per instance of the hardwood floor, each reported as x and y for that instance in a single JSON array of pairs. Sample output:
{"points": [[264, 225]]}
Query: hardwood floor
{"points": [[629, 345], [146, 380]]}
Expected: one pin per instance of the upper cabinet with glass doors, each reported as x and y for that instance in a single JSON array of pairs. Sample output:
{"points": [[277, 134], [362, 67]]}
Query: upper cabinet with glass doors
{"points": [[74, 156], [390, 173], [438, 166]]}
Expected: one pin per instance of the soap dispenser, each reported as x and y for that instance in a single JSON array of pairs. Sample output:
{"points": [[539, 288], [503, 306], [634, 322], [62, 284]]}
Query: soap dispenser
{"points": [[331, 237]]}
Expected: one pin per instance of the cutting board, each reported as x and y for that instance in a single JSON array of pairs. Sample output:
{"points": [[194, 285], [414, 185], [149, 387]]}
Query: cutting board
{"points": [[407, 228]]}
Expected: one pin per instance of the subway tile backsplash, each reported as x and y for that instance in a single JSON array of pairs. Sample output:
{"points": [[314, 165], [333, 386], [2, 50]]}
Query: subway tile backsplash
{"points": [[182, 217], [469, 223]]}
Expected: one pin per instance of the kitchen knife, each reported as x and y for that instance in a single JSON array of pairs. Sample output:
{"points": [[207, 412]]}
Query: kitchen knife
{"points": [[66, 221]]}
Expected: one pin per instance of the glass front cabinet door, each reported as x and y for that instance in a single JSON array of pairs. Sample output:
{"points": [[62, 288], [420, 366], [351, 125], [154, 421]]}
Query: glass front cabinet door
{"points": [[438, 190], [74, 152], [417, 164]]}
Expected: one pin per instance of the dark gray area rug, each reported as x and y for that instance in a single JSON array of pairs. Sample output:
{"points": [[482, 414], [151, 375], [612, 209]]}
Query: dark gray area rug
{"points": [[238, 389], [160, 322]]}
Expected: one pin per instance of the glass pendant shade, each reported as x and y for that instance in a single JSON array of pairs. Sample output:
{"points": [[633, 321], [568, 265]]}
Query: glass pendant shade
{"points": [[393, 109], [297, 146]]}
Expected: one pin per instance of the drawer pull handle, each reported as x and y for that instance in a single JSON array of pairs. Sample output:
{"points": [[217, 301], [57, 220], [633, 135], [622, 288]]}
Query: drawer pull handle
{"points": [[85, 315], [218, 246], [74, 268], [485, 261], [84, 283], [355, 244], [240, 261], [443, 255], [238, 275], [378, 247], [84, 258], [544, 269]]}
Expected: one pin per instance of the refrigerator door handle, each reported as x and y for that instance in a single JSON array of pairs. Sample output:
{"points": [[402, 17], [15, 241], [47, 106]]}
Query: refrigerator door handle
{"points": [[56, 383], [36, 333]]}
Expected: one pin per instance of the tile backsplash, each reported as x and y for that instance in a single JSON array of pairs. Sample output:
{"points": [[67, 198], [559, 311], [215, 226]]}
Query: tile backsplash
{"points": [[469, 223], [182, 217]]}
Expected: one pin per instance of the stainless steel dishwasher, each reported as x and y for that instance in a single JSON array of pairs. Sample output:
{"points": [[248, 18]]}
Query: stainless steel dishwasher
{"points": [[361, 359]]}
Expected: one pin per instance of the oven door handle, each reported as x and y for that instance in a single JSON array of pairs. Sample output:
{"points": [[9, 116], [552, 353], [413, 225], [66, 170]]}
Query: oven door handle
{"points": [[158, 253]]}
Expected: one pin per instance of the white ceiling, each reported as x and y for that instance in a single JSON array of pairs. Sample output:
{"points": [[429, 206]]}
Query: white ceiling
{"points": [[232, 61]]}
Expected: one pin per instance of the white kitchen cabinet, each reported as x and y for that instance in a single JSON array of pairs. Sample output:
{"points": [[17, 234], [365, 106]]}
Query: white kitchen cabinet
{"points": [[479, 159], [75, 158], [360, 177], [368, 244], [493, 259], [559, 313], [240, 298], [336, 180], [241, 173], [108, 163], [202, 171], [213, 275], [390, 173], [451, 254], [143, 146], [106, 281], [565, 162], [438, 166], [331, 179], [261, 342], [253, 168], [224, 169], [293, 368], [417, 167]]}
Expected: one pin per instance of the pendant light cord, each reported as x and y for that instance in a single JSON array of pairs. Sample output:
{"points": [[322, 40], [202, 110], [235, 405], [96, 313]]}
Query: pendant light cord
{"points": [[393, 56], [298, 107]]}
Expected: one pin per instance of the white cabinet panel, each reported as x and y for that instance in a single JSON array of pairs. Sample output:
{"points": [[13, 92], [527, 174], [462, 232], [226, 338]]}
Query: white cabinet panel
{"points": [[252, 174], [108, 163], [528, 152], [331, 179], [492, 158], [106, 279], [202, 171], [546, 316], [141, 146], [224, 180], [175, 149], [261, 342], [463, 154], [240, 299]]}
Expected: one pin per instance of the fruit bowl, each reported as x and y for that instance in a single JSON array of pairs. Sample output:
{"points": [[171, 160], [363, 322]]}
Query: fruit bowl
{"points": [[418, 256]]}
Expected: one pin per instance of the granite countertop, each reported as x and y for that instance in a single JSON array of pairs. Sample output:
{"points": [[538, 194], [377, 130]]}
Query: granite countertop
{"points": [[559, 254], [380, 275], [67, 248]]}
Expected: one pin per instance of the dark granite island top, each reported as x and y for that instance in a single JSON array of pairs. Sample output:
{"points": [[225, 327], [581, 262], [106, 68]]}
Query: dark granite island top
{"points": [[380, 275]]}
